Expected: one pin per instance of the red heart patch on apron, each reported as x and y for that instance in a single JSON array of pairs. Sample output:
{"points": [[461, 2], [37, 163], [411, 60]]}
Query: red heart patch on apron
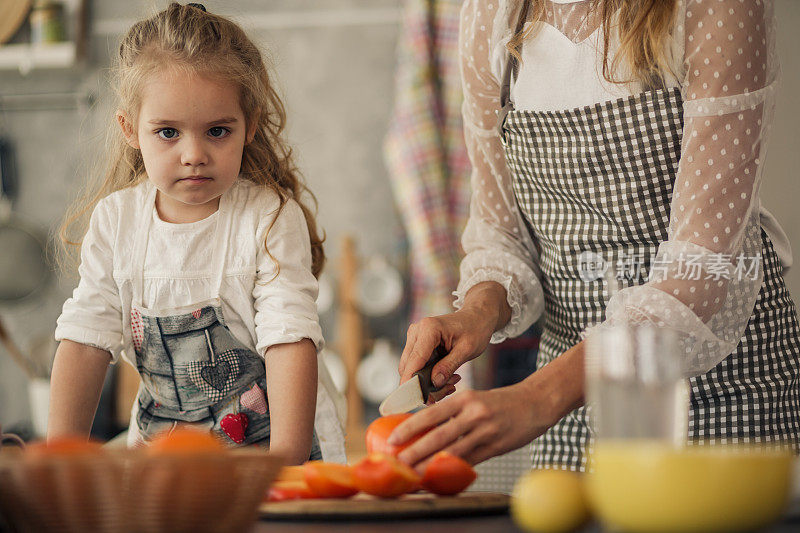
{"points": [[234, 426]]}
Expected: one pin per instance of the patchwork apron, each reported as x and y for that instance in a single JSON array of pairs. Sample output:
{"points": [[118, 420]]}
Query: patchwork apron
{"points": [[192, 368], [600, 178]]}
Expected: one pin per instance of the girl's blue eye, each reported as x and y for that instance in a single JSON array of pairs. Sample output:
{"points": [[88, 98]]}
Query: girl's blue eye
{"points": [[168, 133], [218, 132]]}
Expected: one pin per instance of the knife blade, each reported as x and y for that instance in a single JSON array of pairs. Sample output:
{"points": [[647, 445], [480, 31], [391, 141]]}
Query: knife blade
{"points": [[414, 392]]}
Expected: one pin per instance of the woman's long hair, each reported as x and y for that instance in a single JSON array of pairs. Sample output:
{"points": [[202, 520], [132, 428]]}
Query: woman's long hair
{"points": [[185, 37], [643, 29]]}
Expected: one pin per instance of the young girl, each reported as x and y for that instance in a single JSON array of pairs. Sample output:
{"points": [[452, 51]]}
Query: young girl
{"points": [[200, 261]]}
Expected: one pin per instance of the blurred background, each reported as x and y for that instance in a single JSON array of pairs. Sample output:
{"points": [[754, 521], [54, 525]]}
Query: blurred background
{"points": [[373, 97]]}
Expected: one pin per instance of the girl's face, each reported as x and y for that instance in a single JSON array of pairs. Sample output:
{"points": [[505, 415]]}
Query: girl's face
{"points": [[191, 132]]}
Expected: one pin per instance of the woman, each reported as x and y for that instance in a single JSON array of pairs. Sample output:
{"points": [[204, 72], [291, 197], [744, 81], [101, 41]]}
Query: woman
{"points": [[631, 140]]}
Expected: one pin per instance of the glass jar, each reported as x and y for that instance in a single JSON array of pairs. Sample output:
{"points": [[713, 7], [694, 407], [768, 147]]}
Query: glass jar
{"points": [[47, 22]]}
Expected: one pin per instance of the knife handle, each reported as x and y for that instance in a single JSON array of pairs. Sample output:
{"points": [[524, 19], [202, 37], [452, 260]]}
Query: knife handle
{"points": [[425, 378]]}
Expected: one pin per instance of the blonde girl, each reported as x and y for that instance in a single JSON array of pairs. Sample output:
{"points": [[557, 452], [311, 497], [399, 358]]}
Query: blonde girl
{"points": [[200, 260], [625, 137]]}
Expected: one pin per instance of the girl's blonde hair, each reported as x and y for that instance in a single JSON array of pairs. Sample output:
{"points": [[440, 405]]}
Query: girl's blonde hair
{"points": [[187, 37], [643, 27]]}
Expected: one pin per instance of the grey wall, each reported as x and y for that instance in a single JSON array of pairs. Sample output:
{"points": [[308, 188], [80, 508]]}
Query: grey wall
{"points": [[334, 62], [780, 190]]}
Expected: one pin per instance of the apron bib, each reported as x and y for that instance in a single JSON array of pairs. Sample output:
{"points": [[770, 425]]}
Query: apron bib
{"points": [[599, 179], [193, 369]]}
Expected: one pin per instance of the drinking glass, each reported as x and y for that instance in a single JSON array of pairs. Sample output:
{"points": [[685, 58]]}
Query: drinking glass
{"points": [[635, 384]]}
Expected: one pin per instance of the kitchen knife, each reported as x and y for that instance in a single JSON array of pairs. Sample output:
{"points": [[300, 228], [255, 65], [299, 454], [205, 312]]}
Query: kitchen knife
{"points": [[414, 392]]}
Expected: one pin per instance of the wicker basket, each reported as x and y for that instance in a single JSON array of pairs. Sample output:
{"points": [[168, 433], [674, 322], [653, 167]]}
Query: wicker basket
{"points": [[126, 490]]}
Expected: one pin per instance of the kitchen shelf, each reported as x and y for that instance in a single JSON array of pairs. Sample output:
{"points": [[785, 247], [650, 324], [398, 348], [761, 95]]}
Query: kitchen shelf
{"points": [[26, 57]]}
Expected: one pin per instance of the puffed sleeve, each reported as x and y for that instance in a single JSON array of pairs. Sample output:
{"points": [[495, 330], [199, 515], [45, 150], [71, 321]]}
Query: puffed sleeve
{"points": [[285, 292], [497, 244], [706, 276], [93, 315]]}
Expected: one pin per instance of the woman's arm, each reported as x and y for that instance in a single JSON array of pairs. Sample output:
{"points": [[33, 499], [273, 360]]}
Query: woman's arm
{"points": [[75, 385], [700, 283], [477, 425], [496, 240], [500, 267], [292, 396]]}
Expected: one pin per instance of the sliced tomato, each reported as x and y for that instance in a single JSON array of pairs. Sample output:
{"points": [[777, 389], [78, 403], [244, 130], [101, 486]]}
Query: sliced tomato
{"points": [[384, 476], [329, 480], [281, 491], [378, 433], [291, 473], [448, 474]]}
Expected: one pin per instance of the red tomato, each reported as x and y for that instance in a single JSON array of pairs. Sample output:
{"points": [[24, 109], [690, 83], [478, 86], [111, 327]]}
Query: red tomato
{"points": [[379, 430], [281, 491], [384, 476], [329, 480], [448, 474]]}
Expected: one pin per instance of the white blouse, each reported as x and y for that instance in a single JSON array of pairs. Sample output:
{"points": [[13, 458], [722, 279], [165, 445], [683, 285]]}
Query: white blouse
{"points": [[260, 313], [724, 61]]}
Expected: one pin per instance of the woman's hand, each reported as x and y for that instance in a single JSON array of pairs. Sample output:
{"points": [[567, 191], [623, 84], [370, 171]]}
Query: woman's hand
{"points": [[477, 425], [465, 334]]}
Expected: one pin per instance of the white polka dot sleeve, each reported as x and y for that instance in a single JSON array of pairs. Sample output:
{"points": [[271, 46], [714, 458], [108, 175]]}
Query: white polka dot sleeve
{"points": [[706, 277], [496, 242]]}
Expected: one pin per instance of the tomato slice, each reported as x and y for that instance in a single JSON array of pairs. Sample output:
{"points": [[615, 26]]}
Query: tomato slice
{"points": [[448, 474], [384, 476], [281, 491], [329, 480], [291, 473], [379, 430]]}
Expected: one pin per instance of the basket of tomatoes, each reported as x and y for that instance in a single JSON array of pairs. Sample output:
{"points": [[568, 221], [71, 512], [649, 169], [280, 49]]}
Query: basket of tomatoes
{"points": [[186, 480]]}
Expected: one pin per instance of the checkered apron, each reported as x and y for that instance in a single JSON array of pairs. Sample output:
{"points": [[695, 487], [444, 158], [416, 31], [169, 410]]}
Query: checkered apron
{"points": [[599, 178]]}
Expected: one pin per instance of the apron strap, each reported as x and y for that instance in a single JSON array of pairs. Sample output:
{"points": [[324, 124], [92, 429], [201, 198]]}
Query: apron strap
{"points": [[140, 245], [511, 68], [221, 240]]}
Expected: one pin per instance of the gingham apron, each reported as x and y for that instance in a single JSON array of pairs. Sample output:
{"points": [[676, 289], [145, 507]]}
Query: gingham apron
{"points": [[193, 369], [599, 178]]}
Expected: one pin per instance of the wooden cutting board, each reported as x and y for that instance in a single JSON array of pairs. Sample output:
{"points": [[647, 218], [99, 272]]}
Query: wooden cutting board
{"points": [[362, 506]]}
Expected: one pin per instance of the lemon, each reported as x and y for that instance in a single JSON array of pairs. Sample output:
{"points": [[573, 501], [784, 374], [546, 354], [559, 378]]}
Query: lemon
{"points": [[549, 501]]}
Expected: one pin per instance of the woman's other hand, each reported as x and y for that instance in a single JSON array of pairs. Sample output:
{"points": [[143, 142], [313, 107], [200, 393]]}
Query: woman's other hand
{"points": [[465, 334]]}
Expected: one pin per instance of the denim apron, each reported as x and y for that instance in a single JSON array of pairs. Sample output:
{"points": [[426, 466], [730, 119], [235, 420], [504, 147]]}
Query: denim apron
{"points": [[192, 368]]}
